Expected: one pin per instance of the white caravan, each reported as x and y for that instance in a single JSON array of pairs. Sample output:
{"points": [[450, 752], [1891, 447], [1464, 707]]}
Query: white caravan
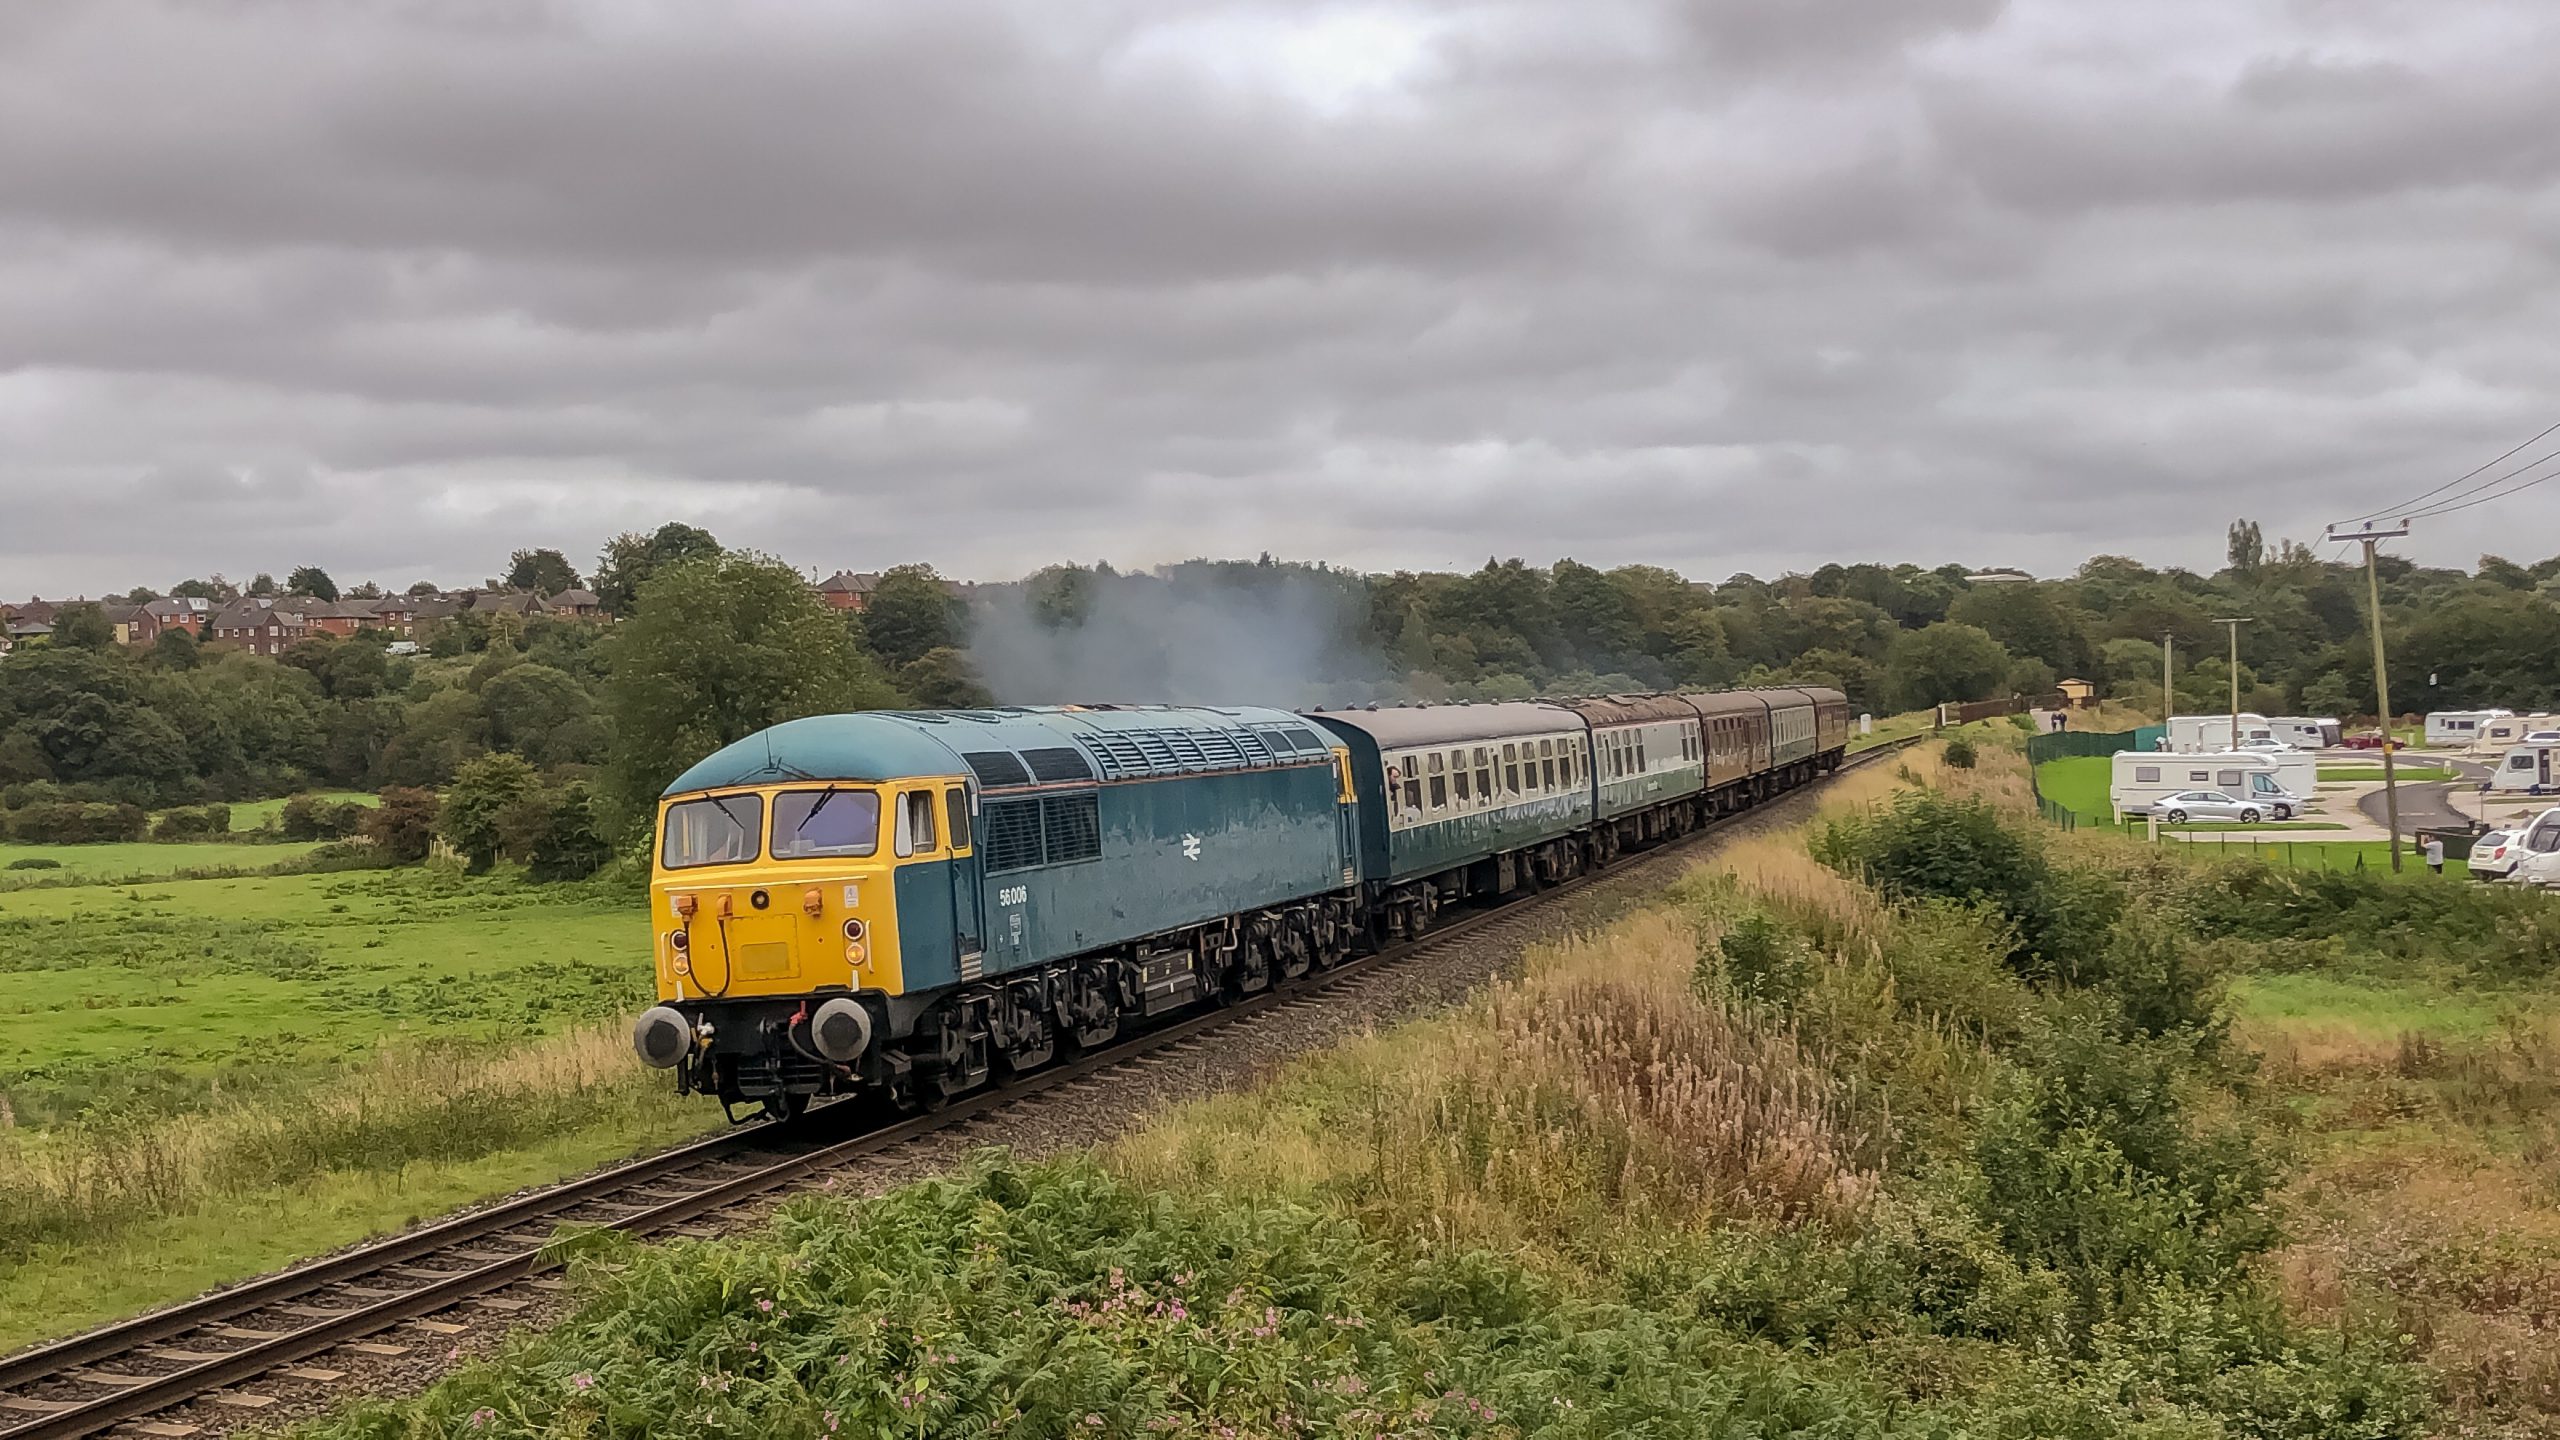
{"points": [[2192, 733], [2308, 732], [2528, 769], [2280, 780], [2513, 729], [2459, 727]]}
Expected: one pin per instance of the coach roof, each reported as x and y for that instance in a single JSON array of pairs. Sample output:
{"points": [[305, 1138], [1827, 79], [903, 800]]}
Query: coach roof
{"points": [[1402, 726]]}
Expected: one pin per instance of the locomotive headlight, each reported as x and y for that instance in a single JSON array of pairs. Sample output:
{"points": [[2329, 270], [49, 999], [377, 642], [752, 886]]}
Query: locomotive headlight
{"points": [[855, 952], [682, 966], [679, 941], [853, 929]]}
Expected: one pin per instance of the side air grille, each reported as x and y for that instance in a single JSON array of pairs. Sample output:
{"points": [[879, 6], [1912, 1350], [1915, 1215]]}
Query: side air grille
{"points": [[1009, 834], [1058, 763], [996, 768], [1073, 826]]}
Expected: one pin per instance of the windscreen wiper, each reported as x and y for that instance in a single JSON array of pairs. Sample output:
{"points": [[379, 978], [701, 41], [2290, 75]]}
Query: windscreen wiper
{"points": [[823, 797]]}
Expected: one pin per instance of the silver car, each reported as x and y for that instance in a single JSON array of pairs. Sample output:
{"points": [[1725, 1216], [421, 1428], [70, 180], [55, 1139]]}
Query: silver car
{"points": [[2189, 805]]}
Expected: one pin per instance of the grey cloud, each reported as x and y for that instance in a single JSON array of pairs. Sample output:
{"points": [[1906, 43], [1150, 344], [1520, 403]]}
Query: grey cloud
{"points": [[401, 287]]}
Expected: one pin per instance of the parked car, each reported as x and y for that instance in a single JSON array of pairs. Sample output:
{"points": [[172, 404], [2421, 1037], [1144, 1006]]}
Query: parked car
{"points": [[2369, 740], [2494, 855], [2189, 805]]}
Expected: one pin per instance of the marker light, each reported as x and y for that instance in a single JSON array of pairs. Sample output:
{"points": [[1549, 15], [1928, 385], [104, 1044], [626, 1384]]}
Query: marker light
{"points": [[855, 952], [813, 900], [853, 929], [686, 905]]}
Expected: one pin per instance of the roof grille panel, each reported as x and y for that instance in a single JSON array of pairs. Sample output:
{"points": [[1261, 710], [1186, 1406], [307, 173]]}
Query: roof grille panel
{"points": [[996, 769], [1057, 763], [1219, 748]]}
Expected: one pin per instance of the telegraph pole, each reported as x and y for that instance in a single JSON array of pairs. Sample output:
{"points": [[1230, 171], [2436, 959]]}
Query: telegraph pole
{"points": [[2234, 627], [2367, 533], [2168, 696]]}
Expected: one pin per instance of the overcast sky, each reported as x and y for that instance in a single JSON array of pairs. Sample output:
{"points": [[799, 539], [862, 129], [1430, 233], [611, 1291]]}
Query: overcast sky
{"points": [[1717, 284]]}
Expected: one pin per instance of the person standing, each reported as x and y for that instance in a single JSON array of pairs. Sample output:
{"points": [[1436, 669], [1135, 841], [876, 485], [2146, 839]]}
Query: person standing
{"points": [[2435, 853]]}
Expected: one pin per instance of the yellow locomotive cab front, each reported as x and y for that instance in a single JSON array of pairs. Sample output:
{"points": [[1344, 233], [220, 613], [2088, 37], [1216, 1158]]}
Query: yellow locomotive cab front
{"points": [[809, 910]]}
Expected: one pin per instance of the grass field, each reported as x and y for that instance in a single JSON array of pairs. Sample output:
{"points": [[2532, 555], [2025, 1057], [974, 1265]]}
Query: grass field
{"points": [[251, 814], [143, 859], [175, 985]]}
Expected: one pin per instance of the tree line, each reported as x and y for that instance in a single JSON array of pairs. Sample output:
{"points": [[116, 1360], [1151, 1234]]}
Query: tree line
{"points": [[543, 717]]}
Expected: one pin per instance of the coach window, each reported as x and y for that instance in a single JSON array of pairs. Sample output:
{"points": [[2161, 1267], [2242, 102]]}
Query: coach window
{"points": [[1640, 765], [1484, 772], [1439, 784], [1547, 761], [1458, 776], [1511, 770], [1412, 781]]}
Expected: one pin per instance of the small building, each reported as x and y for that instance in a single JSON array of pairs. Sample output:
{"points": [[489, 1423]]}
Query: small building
{"points": [[258, 626], [2078, 694], [575, 605]]}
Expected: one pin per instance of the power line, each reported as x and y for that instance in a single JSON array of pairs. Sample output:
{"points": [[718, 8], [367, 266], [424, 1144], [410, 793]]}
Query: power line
{"points": [[2449, 484], [2488, 490]]}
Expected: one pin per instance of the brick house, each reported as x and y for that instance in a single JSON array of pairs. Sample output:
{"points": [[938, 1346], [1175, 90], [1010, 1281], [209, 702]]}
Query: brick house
{"points": [[259, 627], [848, 590]]}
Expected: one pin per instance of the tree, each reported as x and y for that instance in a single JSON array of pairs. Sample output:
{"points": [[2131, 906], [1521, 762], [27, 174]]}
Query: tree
{"points": [[404, 824], [214, 588], [544, 572], [175, 649], [419, 588], [262, 586], [718, 648], [477, 804], [2247, 548], [83, 627], [1948, 661], [313, 581], [542, 714], [909, 614], [629, 561], [572, 843], [2026, 620], [943, 679]]}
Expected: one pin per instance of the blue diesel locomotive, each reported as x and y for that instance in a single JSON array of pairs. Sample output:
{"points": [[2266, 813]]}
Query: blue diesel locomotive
{"points": [[912, 904]]}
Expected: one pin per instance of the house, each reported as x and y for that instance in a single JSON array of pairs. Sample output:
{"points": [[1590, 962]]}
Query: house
{"points": [[258, 626], [178, 612], [2078, 694], [523, 604], [21, 630], [132, 624], [847, 590], [576, 605]]}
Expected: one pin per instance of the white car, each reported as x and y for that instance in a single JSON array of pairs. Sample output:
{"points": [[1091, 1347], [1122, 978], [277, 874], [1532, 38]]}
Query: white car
{"points": [[2495, 855], [2189, 805], [2266, 745]]}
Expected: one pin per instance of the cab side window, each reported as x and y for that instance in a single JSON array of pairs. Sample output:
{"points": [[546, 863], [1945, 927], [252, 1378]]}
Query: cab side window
{"points": [[915, 823], [956, 804]]}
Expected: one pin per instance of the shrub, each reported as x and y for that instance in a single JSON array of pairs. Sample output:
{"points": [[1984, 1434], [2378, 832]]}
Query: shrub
{"points": [[307, 817], [1960, 753], [1933, 846], [192, 822], [403, 826], [36, 862], [476, 807], [71, 822]]}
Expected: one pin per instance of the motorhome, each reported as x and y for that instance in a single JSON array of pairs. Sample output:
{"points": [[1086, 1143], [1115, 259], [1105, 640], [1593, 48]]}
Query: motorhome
{"points": [[2539, 839], [2308, 732], [2191, 733], [2527, 768], [2460, 728], [2280, 780]]}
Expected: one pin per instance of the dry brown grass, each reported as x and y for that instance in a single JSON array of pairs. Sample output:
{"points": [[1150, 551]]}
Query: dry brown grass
{"points": [[1598, 1091]]}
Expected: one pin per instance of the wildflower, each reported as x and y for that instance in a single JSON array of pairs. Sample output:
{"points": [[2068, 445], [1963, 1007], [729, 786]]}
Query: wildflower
{"points": [[831, 1420], [583, 1381], [765, 1305], [1093, 1419], [453, 1354], [481, 1417], [754, 1349]]}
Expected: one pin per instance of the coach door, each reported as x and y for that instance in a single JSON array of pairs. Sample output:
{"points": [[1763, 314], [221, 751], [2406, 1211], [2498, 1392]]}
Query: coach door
{"points": [[967, 900], [1346, 814]]}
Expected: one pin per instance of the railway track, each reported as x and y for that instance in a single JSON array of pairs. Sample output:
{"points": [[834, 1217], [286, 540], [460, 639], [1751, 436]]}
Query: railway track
{"points": [[120, 1376]]}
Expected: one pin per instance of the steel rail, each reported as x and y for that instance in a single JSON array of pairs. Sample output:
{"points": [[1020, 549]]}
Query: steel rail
{"points": [[133, 1399]]}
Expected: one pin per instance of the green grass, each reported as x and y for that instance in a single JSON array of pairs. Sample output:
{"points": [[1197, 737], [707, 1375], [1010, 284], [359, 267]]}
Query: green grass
{"points": [[2375, 855], [251, 814], [142, 860], [172, 985], [2375, 1007], [2080, 784], [2405, 774]]}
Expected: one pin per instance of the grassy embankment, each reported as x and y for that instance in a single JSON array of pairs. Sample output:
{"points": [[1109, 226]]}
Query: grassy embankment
{"points": [[1941, 1133], [2405, 774], [339, 1054]]}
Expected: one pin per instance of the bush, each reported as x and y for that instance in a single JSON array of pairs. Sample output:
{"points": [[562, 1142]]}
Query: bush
{"points": [[192, 822], [1960, 753], [403, 826], [36, 862], [1931, 846], [307, 817], [71, 822]]}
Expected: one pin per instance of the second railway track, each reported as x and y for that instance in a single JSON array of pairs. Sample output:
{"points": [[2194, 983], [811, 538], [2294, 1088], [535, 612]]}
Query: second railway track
{"points": [[124, 1374]]}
